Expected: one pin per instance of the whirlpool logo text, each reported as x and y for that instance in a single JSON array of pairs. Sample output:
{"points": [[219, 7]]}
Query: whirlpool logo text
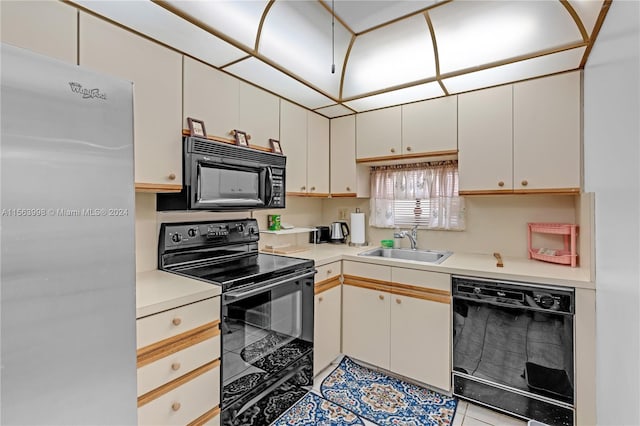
{"points": [[87, 93]]}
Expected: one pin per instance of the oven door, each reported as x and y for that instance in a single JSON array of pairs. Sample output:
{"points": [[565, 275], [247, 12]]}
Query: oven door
{"points": [[230, 184], [267, 345]]}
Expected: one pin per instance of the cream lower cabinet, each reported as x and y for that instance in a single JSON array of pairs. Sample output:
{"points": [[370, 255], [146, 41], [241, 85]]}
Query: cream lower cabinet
{"points": [[366, 312], [156, 73], [398, 319], [421, 326], [327, 316], [179, 365]]}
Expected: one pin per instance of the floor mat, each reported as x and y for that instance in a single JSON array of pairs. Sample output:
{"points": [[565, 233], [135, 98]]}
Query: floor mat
{"points": [[315, 410], [386, 400]]}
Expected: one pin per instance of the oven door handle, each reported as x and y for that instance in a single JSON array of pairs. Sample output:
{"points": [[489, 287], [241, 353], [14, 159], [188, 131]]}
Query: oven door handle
{"points": [[266, 286]]}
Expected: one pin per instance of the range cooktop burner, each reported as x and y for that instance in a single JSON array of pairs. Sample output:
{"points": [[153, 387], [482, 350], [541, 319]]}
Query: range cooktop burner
{"points": [[223, 253]]}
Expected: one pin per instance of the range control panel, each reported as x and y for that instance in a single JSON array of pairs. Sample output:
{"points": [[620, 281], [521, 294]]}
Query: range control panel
{"points": [[204, 234]]}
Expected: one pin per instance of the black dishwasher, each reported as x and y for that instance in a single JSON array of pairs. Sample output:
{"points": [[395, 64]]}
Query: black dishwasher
{"points": [[513, 348]]}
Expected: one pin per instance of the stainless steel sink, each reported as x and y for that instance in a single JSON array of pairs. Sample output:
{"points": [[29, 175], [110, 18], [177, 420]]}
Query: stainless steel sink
{"points": [[428, 256]]}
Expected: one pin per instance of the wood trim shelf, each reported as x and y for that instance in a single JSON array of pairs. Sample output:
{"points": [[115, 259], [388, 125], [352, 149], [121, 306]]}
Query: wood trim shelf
{"points": [[343, 195], [415, 292], [425, 293], [158, 392], [157, 187], [328, 284], [309, 194], [185, 132], [566, 191], [203, 419], [368, 283], [163, 348], [407, 156]]}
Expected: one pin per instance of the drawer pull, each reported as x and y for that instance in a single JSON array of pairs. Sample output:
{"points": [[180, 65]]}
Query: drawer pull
{"points": [[525, 183], [329, 271], [320, 299], [313, 188], [348, 188], [381, 297], [501, 183], [303, 188], [408, 148], [175, 366], [176, 321], [398, 301], [172, 176], [393, 150], [175, 406]]}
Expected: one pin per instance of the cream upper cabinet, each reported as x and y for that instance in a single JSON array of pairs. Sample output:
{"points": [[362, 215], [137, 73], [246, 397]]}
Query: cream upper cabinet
{"points": [[326, 335], [317, 154], [421, 351], [379, 133], [259, 115], [156, 73], [485, 140], [343, 155], [305, 141], [546, 133], [211, 96], [293, 139], [365, 324], [46, 27], [430, 126]]}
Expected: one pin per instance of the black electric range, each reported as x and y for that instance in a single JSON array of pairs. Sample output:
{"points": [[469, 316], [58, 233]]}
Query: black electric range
{"points": [[266, 313]]}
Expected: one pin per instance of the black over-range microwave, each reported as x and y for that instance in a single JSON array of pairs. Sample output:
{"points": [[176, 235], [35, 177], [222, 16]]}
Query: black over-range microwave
{"points": [[220, 177]]}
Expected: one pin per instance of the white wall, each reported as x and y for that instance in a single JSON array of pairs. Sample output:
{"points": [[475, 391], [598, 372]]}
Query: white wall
{"points": [[611, 150]]}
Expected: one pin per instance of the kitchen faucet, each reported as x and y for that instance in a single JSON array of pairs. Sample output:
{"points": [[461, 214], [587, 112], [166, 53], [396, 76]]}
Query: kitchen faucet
{"points": [[412, 235]]}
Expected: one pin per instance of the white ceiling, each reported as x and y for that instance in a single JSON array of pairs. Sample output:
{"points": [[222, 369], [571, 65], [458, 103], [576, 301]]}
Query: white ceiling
{"points": [[385, 52]]}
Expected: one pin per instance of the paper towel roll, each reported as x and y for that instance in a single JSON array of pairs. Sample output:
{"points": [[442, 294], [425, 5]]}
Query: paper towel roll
{"points": [[357, 228]]}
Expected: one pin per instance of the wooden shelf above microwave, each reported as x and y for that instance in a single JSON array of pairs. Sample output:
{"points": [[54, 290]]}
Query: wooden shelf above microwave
{"points": [[185, 132]]}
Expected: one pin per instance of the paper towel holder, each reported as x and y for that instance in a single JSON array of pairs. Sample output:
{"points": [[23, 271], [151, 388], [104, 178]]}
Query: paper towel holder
{"points": [[363, 244]]}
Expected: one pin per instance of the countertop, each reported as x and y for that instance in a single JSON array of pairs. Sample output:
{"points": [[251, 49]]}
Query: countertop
{"points": [[158, 291], [478, 265]]}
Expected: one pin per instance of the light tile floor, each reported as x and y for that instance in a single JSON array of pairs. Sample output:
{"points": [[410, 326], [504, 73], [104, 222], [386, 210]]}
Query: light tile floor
{"points": [[467, 414]]}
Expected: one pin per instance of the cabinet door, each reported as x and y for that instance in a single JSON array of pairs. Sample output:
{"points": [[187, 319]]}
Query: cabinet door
{"points": [[430, 126], [343, 156], [293, 139], [420, 340], [318, 154], [546, 128], [46, 27], [259, 115], [211, 96], [156, 73], [379, 133], [365, 325], [485, 140], [326, 335]]}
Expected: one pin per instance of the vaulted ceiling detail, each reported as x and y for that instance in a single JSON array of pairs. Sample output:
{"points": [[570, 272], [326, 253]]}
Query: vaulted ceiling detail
{"points": [[385, 52]]}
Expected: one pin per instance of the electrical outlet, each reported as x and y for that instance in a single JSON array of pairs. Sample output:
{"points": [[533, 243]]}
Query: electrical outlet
{"points": [[342, 214]]}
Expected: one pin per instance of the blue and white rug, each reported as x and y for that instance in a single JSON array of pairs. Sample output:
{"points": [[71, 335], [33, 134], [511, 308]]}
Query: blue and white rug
{"points": [[315, 410], [386, 400]]}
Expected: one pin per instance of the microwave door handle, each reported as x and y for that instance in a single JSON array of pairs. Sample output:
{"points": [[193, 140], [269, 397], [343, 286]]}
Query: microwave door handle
{"points": [[269, 186]]}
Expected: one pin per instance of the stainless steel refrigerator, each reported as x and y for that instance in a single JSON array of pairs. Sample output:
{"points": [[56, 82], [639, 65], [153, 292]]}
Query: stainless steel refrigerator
{"points": [[67, 289]]}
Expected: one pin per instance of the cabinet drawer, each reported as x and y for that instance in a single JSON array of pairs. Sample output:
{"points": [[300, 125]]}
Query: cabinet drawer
{"points": [[155, 328], [330, 270], [367, 270], [426, 279], [171, 367], [185, 403]]}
